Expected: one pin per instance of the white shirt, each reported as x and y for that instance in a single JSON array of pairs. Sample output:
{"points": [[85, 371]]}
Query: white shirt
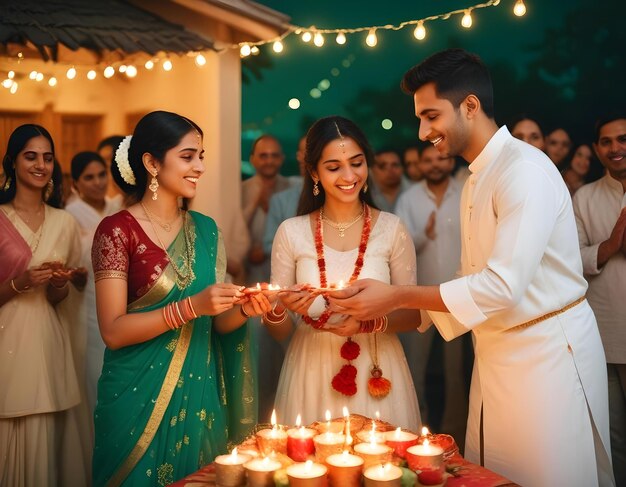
{"points": [[437, 260], [597, 206]]}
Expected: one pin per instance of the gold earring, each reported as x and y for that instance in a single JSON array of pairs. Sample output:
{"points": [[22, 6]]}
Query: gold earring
{"points": [[7, 184], [154, 185], [316, 189], [365, 188], [49, 190]]}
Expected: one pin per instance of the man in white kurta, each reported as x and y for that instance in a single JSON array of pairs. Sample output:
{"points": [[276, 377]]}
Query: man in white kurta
{"points": [[538, 401], [600, 209]]}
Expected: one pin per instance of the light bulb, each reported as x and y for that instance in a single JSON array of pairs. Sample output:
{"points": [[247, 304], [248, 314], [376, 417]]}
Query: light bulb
{"points": [[420, 31], [52, 81], [306, 36], [167, 65], [13, 88], [341, 38], [254, 50], [7, 83], [131, 71], [519, 9], [278, 46], [371, 39], [32, 75], [200, 60], [122, 68], [109, 71], [466, 21], [245, 50], [71, 73], [39, 77], [91, 74], [11, 74], [149, 64], [318, 40]]}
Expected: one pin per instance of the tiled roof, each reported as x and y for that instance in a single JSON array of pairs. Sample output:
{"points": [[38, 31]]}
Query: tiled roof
{"points": [[98, 25]]}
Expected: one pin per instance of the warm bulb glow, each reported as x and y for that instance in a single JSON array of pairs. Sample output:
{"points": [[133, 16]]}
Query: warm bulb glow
{"points": [[109, 71], [71, 73], [371, 39], [519, 9], [91, 74], [167, 65], [32, 75], [122, 68], [7, 83], [11, 74], [420, 31], [52, 81], [200, 60], [306, 37], [39, 77], [149, 64], [294, 103], [245, 50], [341, 38], [131, 71], [318, 40], [278, 46], [254, 50], [466, 21], [13, 88]]}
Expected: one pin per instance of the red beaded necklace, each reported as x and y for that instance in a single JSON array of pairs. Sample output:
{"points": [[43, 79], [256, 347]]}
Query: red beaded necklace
{"points": [[345, 380]]}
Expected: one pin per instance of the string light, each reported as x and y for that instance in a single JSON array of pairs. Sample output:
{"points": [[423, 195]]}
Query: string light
{"points": [[91, 75], [200, 60], [13, 88], [245, 50], [131, 71], [278, 46], [32, 75], [371, 39], [7, 83], [52, 81], [466, 21], [519, 9], [39, 77], [254, 50], [307, 36], [420, 31], [11, 74], [71, 73], [150, 64], [167, 65], [318, 39], [341, 38], [122, 68], [109, 71]]}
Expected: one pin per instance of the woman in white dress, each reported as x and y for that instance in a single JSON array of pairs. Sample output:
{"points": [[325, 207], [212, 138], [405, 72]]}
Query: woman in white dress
{"points": [[334, 360], [90, 178]]}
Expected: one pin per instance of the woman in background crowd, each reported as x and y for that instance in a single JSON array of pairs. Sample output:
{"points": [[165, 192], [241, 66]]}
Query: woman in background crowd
{"points": [[529, 131]]}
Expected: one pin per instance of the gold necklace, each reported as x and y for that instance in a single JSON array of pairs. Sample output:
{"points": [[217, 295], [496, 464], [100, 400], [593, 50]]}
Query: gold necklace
{"points": [[341, 226], [183, 276], [34, 244], [25, 220], [167, 226]]}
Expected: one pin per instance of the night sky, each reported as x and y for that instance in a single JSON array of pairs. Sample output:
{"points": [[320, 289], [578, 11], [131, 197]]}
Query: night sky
{"points": [[350, 70]]}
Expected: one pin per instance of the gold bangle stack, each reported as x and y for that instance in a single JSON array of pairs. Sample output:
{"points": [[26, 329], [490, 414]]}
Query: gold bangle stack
{"points": [[177, 313], [272, 319]]}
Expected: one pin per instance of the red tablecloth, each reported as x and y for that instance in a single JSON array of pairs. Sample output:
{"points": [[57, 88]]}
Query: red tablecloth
{"points": [[468, 475]]}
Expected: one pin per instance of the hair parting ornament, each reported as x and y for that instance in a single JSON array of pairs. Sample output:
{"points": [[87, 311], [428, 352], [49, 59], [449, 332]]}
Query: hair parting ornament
{"points": [[121, 159], [342, 143]]}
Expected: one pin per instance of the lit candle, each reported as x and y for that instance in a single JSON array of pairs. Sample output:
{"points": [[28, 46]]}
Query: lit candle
{"points": [[371, 436], [427, 461], [272, 440], [229, 470], [300, 442], [348, 432], [306, 474], [261, 472], [373, 453], [344, 469], [387, 475], [328, 444], [400, 440]]}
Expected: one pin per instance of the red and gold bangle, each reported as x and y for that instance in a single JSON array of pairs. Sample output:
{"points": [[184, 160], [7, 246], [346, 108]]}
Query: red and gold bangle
{"points": [[166, 317], [193, 311], [272, 319], [243, 312]]}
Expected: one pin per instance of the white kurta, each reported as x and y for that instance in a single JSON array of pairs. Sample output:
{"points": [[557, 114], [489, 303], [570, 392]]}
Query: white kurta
{"points": [[542, 389]]}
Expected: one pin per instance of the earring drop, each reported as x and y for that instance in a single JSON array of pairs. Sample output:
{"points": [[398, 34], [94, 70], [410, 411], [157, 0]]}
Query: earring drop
{"points": [[316, 189], [365, 188], [154, 185]]}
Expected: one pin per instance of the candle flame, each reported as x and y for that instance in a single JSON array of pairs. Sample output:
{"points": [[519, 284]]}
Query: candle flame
{"points": [[377, 414], [425, 431], [345, 412], [273, 419], [258, 285], [426, 444], [398, 429], [328, 415], [298, 420]]}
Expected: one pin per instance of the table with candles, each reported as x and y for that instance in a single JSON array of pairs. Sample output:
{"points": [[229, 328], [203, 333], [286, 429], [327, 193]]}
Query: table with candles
{"points": [[349, 451]]}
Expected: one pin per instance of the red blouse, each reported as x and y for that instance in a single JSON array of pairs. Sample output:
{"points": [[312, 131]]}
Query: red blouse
{"points": [[121, 249]]}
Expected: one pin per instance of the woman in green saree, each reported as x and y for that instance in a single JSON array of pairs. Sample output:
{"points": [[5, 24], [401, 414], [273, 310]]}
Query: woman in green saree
{"points": [[176, 385]]}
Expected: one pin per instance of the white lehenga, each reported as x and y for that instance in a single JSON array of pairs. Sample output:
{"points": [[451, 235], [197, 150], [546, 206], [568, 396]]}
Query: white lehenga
{"points": [[313, 357]]}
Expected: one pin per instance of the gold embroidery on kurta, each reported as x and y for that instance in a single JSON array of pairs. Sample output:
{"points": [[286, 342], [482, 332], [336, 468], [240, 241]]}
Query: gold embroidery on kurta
{"points": [[165, 474]]}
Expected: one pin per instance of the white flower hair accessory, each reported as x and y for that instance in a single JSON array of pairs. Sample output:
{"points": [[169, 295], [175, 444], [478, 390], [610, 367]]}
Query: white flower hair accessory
{"points": [[121, 159]]}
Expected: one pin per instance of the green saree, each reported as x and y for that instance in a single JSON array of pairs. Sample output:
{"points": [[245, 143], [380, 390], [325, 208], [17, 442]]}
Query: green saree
{"points": [[168, 406]]}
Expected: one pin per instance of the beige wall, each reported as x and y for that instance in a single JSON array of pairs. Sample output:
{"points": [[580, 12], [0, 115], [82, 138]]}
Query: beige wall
{"points": [[209, 95]]}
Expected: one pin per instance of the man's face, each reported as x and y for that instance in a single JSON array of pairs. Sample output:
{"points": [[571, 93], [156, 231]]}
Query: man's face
{"points": [[387, 170], [411, 164], [440, 122], [267, 157], [611, 148], [434, 166]]}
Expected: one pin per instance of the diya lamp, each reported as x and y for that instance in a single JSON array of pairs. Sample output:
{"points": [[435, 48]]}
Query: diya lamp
{"points": [[261, 471], [307, 474], [387, 475], [272, 440], [427, 461], [229, 469], [332, 426], [400, 440], [373, 453], [328, 444], [344, 469], [300, 442]]}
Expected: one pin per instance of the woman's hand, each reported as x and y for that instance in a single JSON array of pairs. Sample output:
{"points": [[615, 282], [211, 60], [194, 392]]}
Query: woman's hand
{"points": [[215, 299], [350, 326], [60, 277], [297, 301], [79, 278], [257, 304], [33, 277]]}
